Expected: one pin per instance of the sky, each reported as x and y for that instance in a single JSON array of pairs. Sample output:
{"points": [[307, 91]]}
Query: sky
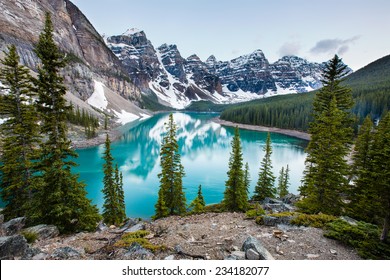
{"points": [[356, 30]]}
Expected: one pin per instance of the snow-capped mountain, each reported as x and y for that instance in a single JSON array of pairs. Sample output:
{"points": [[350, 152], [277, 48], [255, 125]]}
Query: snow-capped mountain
{"points": [[177, 81]]}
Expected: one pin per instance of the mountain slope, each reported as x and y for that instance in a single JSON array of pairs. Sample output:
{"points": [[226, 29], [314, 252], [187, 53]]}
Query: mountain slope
{"points": [[370, 90], [88, 57]]}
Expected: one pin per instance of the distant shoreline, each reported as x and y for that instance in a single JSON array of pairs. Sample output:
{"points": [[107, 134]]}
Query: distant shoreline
{"points": [[289, 132]]}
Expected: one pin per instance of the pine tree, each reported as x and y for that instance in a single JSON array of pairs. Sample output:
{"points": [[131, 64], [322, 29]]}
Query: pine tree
{"points": [[114, 205], [286, 182], [198, 204], [265, 184], [235, 195], [325, 176], [380, 173], [20, 137], [363, 201], [61, 199], [171, 194]]}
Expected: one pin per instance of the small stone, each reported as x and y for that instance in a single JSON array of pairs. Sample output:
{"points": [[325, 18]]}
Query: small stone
{"points": [[112, 227], [169, 258], [252, 255], [333, 252], [312, 256], [239, 255], [65, 253]]}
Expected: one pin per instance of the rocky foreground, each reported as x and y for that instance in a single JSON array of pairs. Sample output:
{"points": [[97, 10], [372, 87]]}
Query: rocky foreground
{"points": [[204, 236]]}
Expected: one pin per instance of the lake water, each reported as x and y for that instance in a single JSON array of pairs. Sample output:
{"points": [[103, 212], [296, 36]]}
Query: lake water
{"points": [[205, 149]]}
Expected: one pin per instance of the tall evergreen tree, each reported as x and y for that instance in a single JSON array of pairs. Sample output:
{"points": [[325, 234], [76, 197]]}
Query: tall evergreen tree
{"points": [[380, 172], [325, 176], [265, 184], [20, 137], [114, 205], [364, 202], [235, 195], [61, 199], [283, 181], [171, 199]]}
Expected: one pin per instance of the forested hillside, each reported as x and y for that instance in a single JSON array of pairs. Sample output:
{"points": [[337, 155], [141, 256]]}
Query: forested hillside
{"points": [[370, 89]]}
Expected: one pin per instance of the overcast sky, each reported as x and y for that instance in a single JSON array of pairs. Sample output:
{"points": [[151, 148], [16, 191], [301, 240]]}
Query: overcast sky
{"points": [[357, 30]]}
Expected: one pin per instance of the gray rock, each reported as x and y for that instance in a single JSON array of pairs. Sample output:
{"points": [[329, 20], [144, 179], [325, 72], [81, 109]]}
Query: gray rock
{"points": [[65, 253], [252, 255], [101, 227], [230, 258], [170, 258], [31, 254], [44, 231], [137, 227], [312, 256], [129, 223], [274, 221], [14, 226], [238, 255], [137, 252], [290, 198], [255, 244], [12, 247]]}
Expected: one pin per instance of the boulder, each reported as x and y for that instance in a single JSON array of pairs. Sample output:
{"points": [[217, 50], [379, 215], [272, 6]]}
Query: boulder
{"points": [[290, 198], [44, 231], [238, 255], [12, 247], [255, 244], [34, 254], [65, 253], [137, 252], [349, 220], [274, 221], [252, 255], [129, 223], [137, 227], [13, 226], [101, 227]]}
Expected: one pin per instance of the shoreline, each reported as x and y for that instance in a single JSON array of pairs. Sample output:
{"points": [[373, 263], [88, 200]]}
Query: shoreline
{"points": [[289, 132]]}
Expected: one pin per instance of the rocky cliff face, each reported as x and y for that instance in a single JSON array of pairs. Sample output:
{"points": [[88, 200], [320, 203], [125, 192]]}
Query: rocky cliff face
{"points": [[177, 81], [89, 58]]}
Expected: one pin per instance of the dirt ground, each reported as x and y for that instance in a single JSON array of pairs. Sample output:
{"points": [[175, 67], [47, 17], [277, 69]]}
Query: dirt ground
{"points": [[208, 236]]}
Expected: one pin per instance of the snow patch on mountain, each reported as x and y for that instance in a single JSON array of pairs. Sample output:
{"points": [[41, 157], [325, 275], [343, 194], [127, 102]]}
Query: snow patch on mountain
{"points": [[98, 99]]}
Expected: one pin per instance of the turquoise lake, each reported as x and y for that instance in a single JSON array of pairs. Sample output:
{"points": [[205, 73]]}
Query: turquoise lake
{"points": [[205, 150]]}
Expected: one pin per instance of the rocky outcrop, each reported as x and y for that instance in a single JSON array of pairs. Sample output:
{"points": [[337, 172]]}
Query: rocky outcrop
{"points": [[13, 226], [12, 247], [43, 231], [87, 55]]}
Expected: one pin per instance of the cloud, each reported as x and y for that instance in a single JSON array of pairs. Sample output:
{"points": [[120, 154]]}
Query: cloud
{"points": [[331, 46], [290, 48]]}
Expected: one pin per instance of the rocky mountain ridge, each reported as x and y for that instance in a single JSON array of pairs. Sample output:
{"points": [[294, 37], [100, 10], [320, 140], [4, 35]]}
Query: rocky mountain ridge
{"points": [[177, 81], [89, 61]]}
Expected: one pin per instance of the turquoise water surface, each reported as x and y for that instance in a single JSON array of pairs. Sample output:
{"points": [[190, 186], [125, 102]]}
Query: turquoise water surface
{"points": [[205, 150]]}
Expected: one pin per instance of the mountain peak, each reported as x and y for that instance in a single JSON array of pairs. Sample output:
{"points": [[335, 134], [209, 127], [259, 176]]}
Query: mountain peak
{"points": [[131, 31]]}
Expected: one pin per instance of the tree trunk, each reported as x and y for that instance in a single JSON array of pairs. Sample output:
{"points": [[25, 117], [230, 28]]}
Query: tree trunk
{"points": [[386, 225]]}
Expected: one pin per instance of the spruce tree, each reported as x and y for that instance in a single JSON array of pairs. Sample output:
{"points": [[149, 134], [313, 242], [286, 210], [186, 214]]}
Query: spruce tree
{"points": [[235, 195], [114, 204], [198, 204], [325, 176], [364, 202], [171, 197], [20, 137], [265, 184], [61, 199], [380, 173]]}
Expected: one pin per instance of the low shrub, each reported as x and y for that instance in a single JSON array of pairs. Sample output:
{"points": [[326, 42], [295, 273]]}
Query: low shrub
{"points": [[138, 237], [214, 208], [364, 237], [255, 211], [31, 237], [313, 220]]}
